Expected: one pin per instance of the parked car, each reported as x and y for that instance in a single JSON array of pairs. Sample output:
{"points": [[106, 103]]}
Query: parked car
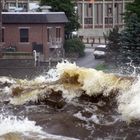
{"points": [[100, 51]]}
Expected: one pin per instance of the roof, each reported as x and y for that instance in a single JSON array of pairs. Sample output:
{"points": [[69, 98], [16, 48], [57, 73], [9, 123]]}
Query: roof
{"points": [[34, 17]]}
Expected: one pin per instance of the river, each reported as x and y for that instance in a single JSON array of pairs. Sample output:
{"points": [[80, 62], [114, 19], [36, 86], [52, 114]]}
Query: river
{"points": [[69, 103]]}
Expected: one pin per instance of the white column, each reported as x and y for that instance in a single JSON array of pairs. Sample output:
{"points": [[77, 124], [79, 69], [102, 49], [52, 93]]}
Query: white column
{"points": [[103, 15], [123, 10], [83, 14], [3, 4], [28, 5], [113, 13], [93, 15], [16, 3]]}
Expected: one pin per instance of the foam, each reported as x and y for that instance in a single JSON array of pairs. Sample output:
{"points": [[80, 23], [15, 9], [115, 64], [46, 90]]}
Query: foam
{"points": [[129, 103], [13, 124]]}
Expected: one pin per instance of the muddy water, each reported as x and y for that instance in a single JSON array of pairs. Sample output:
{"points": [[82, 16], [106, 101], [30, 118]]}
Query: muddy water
{"points": [[76, 103], [84, 119]]}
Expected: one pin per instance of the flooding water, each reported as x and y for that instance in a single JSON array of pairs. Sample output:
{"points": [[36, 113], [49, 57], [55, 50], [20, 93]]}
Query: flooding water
{"points": [[70, 103]]}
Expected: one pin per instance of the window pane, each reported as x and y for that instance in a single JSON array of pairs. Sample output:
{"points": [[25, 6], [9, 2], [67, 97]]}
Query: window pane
{"points": [[2, 35], [24, 35], [57, 32], [49, 34]]}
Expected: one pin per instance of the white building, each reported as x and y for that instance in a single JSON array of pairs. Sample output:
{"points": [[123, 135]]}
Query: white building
{"points": [[99, 16]]}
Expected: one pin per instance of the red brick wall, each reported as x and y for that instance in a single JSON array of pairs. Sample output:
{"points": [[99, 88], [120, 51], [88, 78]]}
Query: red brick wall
{"points": [[37, 33]]}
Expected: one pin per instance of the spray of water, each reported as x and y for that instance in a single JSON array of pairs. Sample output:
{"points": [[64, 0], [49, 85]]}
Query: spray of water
{"points": [[129, 102], [13, 124], [73, 81]]}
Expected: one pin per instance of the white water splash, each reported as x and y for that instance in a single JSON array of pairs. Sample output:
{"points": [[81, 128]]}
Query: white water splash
{"points": [[13, 124], [50, 76], [92, 81], [7, 80], [129, 103]]}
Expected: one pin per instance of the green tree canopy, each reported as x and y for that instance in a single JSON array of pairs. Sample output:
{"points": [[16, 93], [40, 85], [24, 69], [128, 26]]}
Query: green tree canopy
{"points": [[67, 6], [74, 45], [132, 8], [130, 36], [113, 45]]}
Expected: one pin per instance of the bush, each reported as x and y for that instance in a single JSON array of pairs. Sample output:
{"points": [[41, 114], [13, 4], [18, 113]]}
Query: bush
{"points": [[74, 45]]}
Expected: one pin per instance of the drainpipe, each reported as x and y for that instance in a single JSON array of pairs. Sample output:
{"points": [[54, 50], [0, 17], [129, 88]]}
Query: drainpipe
{"points": [[35, 57]]}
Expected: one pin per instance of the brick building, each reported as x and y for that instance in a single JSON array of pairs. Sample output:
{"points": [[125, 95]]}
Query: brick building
{"points": [[99, 16], [43, 32]]}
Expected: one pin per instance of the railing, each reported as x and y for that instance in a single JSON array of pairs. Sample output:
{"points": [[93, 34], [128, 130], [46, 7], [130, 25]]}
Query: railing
{"points": [[55, 43]]}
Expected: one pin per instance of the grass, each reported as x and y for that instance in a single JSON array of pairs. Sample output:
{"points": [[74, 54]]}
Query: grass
{"points": [[101, 67]]}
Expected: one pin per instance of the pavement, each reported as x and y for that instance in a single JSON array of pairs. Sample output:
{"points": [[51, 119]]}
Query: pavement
{"points": [[88, 61]]}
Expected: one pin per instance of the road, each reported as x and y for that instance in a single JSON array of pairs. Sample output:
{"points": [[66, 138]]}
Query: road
{"points": [[88, 60]]}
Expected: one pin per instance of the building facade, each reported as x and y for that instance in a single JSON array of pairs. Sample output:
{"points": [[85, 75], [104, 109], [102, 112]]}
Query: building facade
{"points": [[12, 5], [26, 32], [97, 17]]}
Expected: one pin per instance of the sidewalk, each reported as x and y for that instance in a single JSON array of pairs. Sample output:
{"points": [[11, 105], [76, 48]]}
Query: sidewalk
{"points": [[92, 46]]}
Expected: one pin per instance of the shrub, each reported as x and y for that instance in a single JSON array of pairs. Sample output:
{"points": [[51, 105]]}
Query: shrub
{"points": [[74, 45]]}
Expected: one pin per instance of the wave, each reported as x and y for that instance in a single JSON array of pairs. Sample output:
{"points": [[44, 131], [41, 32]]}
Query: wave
{"points": [[13, 127], [73, 81]]}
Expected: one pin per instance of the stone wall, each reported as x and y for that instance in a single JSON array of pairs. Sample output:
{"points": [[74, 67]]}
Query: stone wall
{"points": [[19, 68], [24, 68], [16, 63]]}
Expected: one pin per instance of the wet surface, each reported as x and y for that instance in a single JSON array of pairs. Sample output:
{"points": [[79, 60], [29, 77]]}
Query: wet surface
{"points": [[83, 118]]}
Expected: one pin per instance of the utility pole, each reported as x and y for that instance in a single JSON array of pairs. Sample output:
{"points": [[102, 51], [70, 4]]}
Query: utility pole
{"points": [[0, 24]]}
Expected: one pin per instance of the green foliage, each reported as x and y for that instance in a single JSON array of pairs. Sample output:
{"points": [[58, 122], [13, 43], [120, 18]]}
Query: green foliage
{"points": [[74, 45], [113, 38], [131, 33], [130, 36], [113, 46], [132, 8], [66, 6], [101, 67]]}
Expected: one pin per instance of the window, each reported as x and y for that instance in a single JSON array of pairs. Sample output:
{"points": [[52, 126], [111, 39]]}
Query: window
{"points": [[58, 33], [2, 35], [88, 10], [88, 20], [49, 34], [24, 35], [12, 4], [108, 20], [98, 14]]}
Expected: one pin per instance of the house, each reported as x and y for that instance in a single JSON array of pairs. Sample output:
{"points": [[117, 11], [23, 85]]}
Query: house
{"points": [[40, 31], [98, 17]]}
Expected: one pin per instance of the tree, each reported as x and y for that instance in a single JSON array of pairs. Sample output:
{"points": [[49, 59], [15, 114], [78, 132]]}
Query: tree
{"points": [[67, 6], [113, 45], [132, 8], [130, 36], [74, 46]]}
